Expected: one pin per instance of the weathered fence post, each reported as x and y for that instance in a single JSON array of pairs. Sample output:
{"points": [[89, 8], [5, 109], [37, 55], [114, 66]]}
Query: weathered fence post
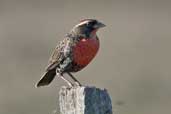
{"points": [[84, 100]]}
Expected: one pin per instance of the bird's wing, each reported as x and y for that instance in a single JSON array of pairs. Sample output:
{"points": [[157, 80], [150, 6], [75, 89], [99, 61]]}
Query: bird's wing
{"points": [[59, 54]]}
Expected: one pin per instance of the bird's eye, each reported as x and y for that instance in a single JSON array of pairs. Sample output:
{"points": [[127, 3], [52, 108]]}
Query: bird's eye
{"points": [[92, 23], [88, 24]]}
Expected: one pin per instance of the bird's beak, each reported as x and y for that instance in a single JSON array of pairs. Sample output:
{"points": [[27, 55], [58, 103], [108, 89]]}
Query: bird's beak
{"points": [[99, 25]]}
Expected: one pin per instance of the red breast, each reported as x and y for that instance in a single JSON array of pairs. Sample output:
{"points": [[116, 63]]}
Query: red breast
{"points": [[85, 50]]}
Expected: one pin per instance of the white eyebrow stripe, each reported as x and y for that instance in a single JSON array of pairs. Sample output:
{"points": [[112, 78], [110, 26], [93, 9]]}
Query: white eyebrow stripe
{"points": [[84, 22]]}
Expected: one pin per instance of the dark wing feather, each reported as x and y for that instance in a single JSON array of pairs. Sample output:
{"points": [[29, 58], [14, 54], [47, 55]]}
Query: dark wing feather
{"points": [[61, 52], [58, 55], [46, 78]]}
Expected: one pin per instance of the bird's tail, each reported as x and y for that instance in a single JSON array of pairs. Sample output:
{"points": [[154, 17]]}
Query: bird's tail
{"points": [[46, 78]]}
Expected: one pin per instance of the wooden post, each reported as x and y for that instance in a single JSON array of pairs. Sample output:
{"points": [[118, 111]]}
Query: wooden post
{"points": [[84, 100]]}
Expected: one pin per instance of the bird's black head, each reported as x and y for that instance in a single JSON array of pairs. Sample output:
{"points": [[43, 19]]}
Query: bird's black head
{"points": [[87, 26]]}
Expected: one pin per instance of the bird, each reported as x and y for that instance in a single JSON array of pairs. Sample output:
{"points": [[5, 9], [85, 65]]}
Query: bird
{"points": [[73, 53]]}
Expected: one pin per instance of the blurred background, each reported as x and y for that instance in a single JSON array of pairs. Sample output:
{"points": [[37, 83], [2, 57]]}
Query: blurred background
{"points": [[133, 62]]}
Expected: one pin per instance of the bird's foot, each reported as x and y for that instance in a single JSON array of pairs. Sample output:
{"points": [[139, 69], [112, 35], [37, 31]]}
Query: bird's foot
{"points": [[70, 84], [78, 84]]}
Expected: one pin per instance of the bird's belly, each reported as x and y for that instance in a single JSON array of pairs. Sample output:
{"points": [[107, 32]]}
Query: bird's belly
{"points": [[84, 51]]}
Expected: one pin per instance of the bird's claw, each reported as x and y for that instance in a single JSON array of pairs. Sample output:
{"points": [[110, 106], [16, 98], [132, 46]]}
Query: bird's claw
{"points": [[78, 84]]}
